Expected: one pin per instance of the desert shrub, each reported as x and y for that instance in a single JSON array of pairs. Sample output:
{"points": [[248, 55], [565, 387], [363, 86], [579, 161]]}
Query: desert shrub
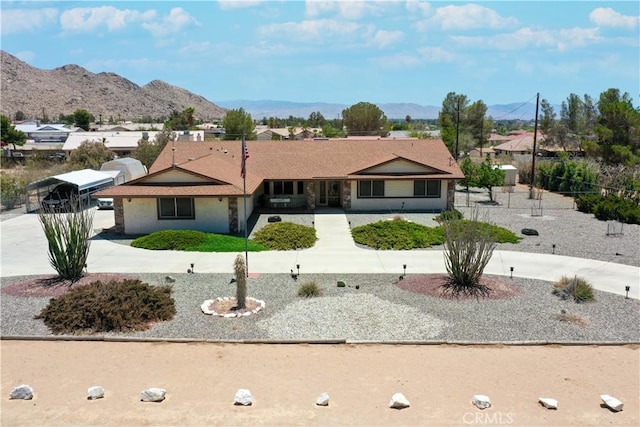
{"points": [[566, 317], [575, 288], [448, 215], [165, 240], [397, 235], [68, 237], [610, 207], [12, 190], [284, 236], [468, 248], [125, 306], [309, 290], [496, 233]]}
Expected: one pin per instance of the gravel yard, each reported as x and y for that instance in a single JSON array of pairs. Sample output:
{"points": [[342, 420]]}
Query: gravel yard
{"points": [[378, 311]]}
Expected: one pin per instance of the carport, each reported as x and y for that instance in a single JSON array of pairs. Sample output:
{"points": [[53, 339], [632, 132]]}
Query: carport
{"points": [[86, 181]]}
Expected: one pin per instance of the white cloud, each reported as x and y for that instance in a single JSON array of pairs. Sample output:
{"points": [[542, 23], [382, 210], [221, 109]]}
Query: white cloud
{"points": [[24, 20], [527, 37], [192, 48], [436, 54], [470, 16], [175, 21], [416, 6], [348, 9], [383, 38], [238, 4], [607, 17], [89, 19], [312, 30]]}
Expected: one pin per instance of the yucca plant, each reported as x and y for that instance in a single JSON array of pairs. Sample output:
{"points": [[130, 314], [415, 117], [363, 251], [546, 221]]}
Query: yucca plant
{"points": [[576, 288], [240, 267], [68, 235]]}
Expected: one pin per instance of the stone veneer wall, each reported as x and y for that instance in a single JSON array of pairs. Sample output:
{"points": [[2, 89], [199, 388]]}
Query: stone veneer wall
{"points": [[346, 195], [118, 214], [451, 194], [233, 215], [310, 190]]}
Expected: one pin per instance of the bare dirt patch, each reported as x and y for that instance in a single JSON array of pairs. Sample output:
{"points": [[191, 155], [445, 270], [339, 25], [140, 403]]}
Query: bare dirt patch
{"points": [[230, 306], [432, 285], [54, 286]]}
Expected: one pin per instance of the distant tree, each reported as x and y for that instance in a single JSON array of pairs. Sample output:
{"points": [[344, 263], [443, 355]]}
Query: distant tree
{"points": [[9, 133], [486, 175], [149, 150], [82, 119], [478, 126], [19, 116], [365, 118], [316, 120], [407, 119], [237, 122], [451, 120], [90, 155], [181, 120]]}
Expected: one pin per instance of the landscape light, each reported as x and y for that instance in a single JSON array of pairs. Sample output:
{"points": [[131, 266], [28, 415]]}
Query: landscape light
{"points": [[298, 267], [511, 268], [192, 270], [627, 289], [553, 248], [404, 268]]}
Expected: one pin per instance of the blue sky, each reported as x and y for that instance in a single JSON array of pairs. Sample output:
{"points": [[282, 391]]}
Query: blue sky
{"points": [[340, 52]]}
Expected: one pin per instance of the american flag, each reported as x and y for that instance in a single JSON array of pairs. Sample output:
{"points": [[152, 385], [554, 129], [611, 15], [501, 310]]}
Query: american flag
{"points": [[245, 156]]}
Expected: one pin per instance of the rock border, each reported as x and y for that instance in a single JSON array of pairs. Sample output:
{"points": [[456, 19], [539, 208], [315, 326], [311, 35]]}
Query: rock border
{"points": [[207, 303]]}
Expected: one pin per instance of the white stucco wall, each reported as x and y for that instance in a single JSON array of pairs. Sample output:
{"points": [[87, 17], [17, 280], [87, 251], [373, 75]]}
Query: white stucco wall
{"points": [[141, 217], [396, 192]]}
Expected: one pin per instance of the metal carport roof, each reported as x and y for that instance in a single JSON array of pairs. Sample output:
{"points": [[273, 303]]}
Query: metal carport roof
{"points": [[83, 179]]}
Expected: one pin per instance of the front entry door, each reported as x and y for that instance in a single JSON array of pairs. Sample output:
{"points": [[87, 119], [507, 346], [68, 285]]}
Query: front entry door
{"points": [[333, 193]]}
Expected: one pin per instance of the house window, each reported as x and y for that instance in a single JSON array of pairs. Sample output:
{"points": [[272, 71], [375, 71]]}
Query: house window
{"points": [[373, 188], [265, 188], [426, 188], [300, 187], [282, 187], [176, 208]]}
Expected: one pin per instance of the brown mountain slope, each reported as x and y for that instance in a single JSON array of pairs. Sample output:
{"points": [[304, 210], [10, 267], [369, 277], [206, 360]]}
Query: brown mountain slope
{"points": [[65, 89]]}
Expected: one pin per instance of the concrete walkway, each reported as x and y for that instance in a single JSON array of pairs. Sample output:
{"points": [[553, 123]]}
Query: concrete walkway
{"points": [[24, 252]]}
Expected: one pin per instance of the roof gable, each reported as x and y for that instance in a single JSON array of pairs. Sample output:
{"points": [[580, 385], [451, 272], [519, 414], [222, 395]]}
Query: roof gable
{"points": [[398, 166]]}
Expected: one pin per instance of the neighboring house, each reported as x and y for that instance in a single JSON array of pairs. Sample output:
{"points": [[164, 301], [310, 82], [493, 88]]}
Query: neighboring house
{"points": [[198, 185], [267, 134], [48, 133], [521, 143]]}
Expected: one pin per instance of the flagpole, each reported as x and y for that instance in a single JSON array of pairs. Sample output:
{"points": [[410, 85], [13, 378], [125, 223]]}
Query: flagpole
{"points": [[244, 204]]}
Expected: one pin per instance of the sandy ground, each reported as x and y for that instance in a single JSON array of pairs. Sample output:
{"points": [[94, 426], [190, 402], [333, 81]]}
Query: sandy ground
{"points": [[285, 380]]}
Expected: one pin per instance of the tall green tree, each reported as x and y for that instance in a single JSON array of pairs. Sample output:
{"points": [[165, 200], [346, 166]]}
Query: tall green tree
{"points": [[181, 120], [9, 133], [82, 119], [452, 120], [485, 175], [238, 122], [316, 120], [90, 155], [365, 118], [477, 124], [149, 150]]}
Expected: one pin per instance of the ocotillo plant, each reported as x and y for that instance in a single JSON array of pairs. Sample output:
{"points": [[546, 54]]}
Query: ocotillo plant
{"points": [[240, 268]]}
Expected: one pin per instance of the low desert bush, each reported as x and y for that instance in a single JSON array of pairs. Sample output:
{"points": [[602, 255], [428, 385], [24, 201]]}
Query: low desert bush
{"points": [[166, 240], [125, 306], [576, 319], [610, 207], [309, 290], [449, 215], [575, 288], [397, 235], [285, 236]]}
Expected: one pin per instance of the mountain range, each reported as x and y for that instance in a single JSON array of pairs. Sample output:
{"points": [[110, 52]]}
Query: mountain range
{"points": [[38, 93]]}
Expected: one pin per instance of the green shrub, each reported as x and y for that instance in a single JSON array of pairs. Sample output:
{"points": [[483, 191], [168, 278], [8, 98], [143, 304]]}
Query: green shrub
{"points": [[166, 240], [397, 235], [12, 190], [449, 215], [575, 288], [309, 290], [610, 207], [284, 236], [587, 202], [125, 306]]}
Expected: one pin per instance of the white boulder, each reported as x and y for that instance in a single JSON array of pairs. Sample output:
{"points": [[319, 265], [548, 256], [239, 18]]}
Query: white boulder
{"points": [[243, 397], [481, 401], [612, 402], [323, 399], [153, 394], [398, 401], [95, 392], [24, 392], [548, 402]]}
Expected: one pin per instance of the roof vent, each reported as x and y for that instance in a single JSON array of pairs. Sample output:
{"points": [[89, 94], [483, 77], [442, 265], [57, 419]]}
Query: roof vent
{"points": [[191, 158]]}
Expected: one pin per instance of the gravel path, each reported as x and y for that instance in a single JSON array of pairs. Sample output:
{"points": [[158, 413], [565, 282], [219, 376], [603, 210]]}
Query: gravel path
{"points": [[377, 311]]}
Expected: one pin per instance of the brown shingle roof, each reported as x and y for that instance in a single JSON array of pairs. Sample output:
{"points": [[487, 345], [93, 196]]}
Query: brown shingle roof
{"points": [[286, 160]]}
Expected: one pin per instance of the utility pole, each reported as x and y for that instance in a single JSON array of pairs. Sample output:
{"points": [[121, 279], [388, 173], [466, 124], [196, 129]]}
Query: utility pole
{"points": [[455, 156], [532, 190]]}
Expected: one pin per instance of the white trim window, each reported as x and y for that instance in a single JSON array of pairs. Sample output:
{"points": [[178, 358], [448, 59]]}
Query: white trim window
{"points": [[176, 208], [426, 188], [371, 188]]}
